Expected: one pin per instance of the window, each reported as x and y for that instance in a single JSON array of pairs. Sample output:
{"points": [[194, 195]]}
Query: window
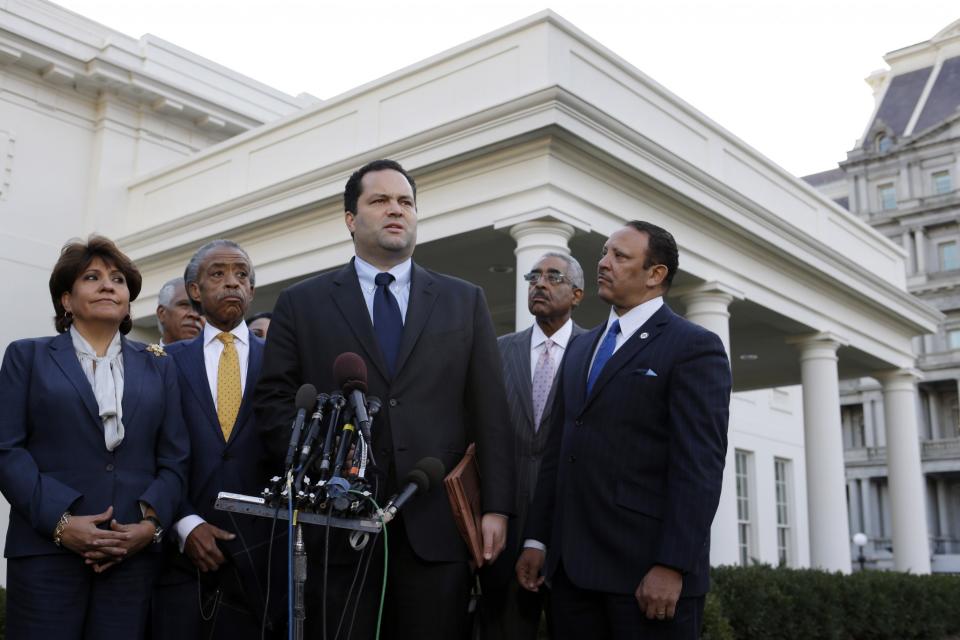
{"points": [[953, 338], [887, 196], [744, 506], [949, 256], [781, 475], [884, 142], [942, 182]]}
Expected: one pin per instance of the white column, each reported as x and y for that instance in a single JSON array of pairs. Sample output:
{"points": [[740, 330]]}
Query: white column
{"points": [[823, 450], [908, 518], [906, 241], [533, 240], [708, 305], [921, 250], [856, 510], [869, 422], [943, 509], [933, 408], [869, 510]]}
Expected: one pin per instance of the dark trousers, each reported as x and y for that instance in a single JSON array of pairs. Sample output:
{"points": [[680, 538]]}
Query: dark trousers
{"points": [[582, 613], [424, 600], [510, 612], [189, 611], [58, 596]]}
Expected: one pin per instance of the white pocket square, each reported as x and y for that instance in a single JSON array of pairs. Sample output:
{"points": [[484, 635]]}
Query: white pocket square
{"points": [[651, 372]]}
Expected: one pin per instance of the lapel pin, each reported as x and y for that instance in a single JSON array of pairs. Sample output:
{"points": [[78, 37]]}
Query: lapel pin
{"points": [[644, 335]]}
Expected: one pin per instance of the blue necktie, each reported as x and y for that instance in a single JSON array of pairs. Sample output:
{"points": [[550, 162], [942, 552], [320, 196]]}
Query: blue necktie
{"points": [[387, 321], [603, 354]]}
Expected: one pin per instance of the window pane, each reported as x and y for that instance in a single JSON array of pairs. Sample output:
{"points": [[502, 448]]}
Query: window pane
{"points": [[949, 256], [887, 196], [954, 338], [942, 182]]}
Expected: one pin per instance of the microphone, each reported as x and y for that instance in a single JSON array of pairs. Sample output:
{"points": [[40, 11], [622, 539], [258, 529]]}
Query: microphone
{"points": [[350, 372], [428, 473], [314, 429], [306, 397], [337, 402]]}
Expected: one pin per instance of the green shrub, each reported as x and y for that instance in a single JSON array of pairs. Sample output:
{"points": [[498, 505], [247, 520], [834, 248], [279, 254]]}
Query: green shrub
{"points": [[763, 603]]}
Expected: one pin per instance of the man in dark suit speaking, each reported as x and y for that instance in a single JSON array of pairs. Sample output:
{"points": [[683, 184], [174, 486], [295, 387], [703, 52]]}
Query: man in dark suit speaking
{"points": [[431, 356], [631, 478]]}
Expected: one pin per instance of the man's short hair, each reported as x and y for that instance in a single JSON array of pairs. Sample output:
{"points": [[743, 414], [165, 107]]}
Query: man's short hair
{"points": [[165, 296], [661, 249], [353, 189], [192, 272], [574, 270]]}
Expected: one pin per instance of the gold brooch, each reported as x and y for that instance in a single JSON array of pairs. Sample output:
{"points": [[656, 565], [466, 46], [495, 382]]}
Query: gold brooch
{"points": [[156, 350]]}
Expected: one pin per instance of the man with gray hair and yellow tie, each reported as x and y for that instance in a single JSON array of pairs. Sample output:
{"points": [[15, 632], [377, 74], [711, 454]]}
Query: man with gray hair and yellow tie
{"points": [[218, 371]]}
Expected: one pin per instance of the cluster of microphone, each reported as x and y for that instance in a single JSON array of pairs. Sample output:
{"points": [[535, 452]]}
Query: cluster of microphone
{"points": [[331, 450]]}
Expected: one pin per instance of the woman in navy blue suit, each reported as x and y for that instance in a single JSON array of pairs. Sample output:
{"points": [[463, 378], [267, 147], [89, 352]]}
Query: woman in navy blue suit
{"points": [[93, 453]]}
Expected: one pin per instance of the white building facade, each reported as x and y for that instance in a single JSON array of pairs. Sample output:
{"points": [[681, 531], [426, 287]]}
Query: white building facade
{"points": [[529, 139], [901, 178]]}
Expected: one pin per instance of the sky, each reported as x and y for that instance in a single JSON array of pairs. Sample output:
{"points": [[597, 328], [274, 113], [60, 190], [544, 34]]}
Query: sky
{"points": [[785, 77]]}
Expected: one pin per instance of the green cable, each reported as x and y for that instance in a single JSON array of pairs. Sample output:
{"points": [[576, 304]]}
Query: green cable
{"points": [[386, 559]]}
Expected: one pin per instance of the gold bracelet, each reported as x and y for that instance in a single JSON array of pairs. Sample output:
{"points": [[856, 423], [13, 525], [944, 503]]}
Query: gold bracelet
{"points": [[61, 525]]}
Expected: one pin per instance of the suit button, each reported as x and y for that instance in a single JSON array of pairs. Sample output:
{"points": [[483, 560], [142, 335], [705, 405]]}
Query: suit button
{"points": [[579, 423], [572, 458], [109, 467], [393, 402]]}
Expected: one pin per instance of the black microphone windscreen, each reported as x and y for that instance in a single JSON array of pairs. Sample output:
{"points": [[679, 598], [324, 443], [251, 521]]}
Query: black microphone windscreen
{"points": [[433, 469], [419, 478], [306, 397], [350, 372]]}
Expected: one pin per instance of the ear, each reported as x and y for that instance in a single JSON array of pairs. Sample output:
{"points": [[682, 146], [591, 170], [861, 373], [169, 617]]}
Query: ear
{"points": [[161, 311], [65, 298], [577, 297], [193, 290], [350, 219], [250, 299], [657, 276]]}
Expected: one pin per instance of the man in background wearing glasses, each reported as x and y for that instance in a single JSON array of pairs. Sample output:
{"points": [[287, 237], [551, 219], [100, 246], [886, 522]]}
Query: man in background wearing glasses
{"points": [[531, 359]]}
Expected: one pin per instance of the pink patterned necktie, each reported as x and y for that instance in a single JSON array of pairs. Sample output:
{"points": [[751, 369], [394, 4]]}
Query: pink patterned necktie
{"points": [[542, 381]]}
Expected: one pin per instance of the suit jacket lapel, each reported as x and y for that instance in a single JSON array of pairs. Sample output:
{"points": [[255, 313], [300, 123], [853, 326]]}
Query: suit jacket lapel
{"points": [[63, 353], [643, 336], [422, 297], [520, 360], [254, 359], [547, 411], [134, 366], [348, 297], [195, 371]]}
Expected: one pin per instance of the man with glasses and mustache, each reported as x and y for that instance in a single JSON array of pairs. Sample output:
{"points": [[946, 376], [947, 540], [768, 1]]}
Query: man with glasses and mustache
{"points": [[530, 359]]}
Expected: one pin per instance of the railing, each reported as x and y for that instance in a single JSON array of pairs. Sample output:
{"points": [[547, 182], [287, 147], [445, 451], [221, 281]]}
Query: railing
{"points": [[946, 449]]}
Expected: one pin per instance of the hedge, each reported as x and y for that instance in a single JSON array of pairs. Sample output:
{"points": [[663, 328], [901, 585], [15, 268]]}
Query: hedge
{"points": [[763, 603]]}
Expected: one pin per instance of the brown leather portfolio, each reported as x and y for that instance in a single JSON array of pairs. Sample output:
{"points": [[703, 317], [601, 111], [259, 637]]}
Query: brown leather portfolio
{"points": [[463, 490]]}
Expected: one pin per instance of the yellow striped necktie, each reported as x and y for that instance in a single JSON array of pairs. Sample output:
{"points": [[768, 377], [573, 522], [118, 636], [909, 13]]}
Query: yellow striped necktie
{"points": [[229, 392]]}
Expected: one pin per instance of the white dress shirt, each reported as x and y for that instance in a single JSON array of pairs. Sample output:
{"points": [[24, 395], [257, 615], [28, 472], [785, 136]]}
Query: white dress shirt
{"points": [[560, 339], [212, 349], [400, 287]]}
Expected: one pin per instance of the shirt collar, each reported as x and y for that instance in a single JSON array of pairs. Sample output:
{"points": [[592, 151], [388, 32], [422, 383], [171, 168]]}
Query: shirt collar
{"points": [[560, 337], [366, 273], [240, 332], [636, 317]]}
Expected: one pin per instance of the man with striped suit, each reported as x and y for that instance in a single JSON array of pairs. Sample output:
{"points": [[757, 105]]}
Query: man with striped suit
{"points": [[631, 477], [531, 359]]}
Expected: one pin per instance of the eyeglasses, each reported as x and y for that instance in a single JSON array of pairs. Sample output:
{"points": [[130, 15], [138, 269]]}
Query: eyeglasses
{"points": [[553, 277]]}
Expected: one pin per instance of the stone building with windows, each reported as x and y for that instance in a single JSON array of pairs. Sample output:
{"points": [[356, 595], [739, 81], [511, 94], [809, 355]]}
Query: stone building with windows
{"points": [[902, 178], [529, 139]]}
